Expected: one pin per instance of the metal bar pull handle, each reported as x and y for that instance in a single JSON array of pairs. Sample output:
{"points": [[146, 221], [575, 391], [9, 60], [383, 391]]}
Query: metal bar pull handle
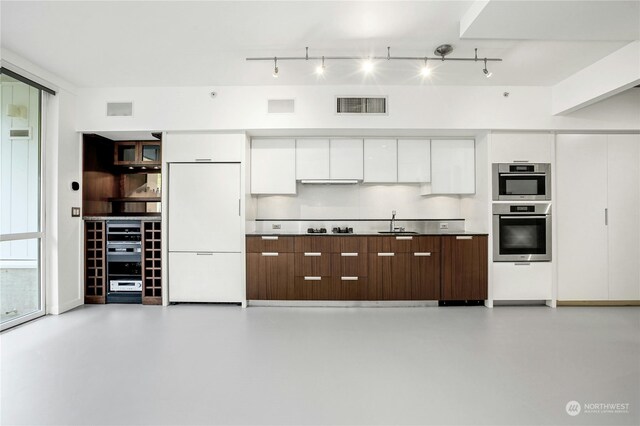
{"points": [[269, 237], [203, 159], [270, 253], [312, 254], [522, 263], [464, 237], [404, 237], [386, 254], [312, 278], [426, 253], [606, 216], [520, 161], [204, 254], [349, 278], [349, 254]]}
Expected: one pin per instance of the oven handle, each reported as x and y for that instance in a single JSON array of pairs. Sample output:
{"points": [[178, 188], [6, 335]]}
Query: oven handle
{"points": [[542, 216], [522, 174]]}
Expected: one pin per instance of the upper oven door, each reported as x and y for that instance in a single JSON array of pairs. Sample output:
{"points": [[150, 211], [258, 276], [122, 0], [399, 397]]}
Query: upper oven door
{"points": [[521, 182], [522, 238]]}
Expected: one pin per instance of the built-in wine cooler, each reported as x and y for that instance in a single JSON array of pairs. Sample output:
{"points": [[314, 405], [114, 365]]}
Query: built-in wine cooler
{"points": [[124, 262]]}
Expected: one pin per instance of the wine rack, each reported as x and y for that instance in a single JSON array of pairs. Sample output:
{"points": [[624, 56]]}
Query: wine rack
{"points": [[95, 271], [152, 263]]}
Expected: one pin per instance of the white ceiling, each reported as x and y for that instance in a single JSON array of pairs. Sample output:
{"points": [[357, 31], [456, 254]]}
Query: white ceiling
{"points": [[179, 43]]}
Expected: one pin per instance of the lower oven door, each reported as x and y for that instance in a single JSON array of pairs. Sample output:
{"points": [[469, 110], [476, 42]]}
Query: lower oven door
{"points": [[522, 238]]}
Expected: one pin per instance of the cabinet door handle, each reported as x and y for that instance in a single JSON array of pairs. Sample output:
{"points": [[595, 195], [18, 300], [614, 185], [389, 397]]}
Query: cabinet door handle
{"points": [[464, 237], [269, 237], [312, 254], [426, 253], [522, 263], [312, 278], [386, 254], [349, 254], [203, 159], [239, 208], [404, 237], [520, 161], [204, 254], [270, 253], [606, 216], [349, 278]]}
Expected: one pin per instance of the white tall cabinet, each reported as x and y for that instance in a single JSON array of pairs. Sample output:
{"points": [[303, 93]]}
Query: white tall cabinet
{"points": [[598, 217]]}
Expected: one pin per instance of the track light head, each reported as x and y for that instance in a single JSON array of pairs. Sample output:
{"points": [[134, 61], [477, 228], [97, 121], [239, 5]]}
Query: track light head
{"points": [[275, 68], [425, 71], [367, 66], [320, 68], [486, 72]]}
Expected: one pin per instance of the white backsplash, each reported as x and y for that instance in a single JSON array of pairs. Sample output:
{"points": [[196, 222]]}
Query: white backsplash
{"points": [[357, 202]]}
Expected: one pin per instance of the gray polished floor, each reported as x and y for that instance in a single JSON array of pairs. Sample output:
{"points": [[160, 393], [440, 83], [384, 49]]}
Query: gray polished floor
{"points": [[191, 364]]}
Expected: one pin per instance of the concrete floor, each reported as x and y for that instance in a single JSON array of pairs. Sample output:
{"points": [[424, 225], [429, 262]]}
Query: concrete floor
{"points": [[193, 364]]}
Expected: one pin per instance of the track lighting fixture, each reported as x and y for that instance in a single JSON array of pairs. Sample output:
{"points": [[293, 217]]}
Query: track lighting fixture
{"points": [[486, 72], [441, 53]]}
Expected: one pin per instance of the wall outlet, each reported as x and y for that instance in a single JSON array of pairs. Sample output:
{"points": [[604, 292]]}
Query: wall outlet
{"points": [[276, 226], [75, 211], [444, 225]]}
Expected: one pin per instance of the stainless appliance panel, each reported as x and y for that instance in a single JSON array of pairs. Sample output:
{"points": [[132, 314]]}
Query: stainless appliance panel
{"points": [[521, 181], [522, 233]]}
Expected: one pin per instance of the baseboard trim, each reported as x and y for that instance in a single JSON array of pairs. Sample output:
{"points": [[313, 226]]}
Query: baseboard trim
{"points": [[344, 304], [598, 303]]}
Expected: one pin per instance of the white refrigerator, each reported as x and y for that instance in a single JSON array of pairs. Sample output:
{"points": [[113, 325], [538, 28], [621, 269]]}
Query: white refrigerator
{"points": [[205, 236]]}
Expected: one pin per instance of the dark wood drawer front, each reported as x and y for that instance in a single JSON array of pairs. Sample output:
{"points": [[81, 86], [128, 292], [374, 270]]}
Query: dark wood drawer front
{"points": [[313, 264], [395, 244], [349, 264], [313, 244], [426, 244], [349, 244], [425, 276], [268, 243], [350, 288], [312, 288], [389, 276], [269, 277]]}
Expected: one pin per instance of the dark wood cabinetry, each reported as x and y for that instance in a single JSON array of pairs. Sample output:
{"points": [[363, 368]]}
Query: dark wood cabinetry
{"points": [[366, 268], [136, 153], [95, 262], [464, 268]]}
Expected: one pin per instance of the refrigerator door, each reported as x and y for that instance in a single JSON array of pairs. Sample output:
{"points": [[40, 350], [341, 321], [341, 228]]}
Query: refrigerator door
{"points": [[204, 208]]}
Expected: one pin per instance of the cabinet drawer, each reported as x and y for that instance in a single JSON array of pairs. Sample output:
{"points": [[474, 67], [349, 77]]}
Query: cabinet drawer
{"points": [[349, 264], [313, 244], [269, 277], [313, 264], [404, 244], [312, 287], [349, 244], [346, 287], [269, 244]]}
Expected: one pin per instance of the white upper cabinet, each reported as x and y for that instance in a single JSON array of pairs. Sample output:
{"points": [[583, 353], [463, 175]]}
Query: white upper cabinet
{"points": [[273, 166], [312, 159], [381, 160], [203, 147], [521, 147], [346, 159], [453, 167], [414, 160]]}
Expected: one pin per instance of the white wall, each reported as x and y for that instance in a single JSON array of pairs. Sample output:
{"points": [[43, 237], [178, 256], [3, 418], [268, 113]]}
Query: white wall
{"points": [[410, 107], [357, 202], [62, 164]]}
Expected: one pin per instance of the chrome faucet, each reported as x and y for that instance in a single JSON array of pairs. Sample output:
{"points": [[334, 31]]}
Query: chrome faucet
{"points": [[392, 224]]}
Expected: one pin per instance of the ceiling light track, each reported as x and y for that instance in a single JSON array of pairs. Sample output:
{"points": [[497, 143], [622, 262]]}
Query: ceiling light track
{"points": [[441, 53]]}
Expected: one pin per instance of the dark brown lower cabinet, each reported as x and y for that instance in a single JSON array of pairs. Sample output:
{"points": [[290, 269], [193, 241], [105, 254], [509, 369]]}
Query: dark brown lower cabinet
{"points": [[349, 276], [389, 276], [425, 275], [270, 276], [312, 288], [464, 268]]}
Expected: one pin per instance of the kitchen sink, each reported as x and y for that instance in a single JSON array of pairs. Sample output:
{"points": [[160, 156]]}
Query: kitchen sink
{"points": [[398, 232]]}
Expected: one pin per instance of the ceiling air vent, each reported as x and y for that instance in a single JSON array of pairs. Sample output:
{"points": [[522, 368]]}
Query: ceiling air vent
{"points": [[351, 105], [281, 106], [119, 109]]}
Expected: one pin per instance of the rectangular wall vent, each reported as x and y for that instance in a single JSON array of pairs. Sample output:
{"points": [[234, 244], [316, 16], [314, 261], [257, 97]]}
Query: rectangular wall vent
{"points": [[281, 106], [119, 109], [19, 133], [352, 105]]}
